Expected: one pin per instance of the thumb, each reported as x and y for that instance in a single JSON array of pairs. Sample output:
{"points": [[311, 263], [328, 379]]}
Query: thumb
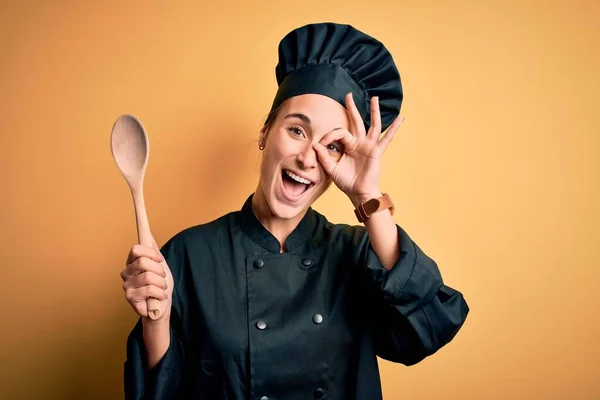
{"points": [[163, 262], [324, 159], [154, 245]]}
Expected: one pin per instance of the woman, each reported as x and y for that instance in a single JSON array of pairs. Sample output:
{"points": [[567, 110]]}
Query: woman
{"points": [[273, 301]]}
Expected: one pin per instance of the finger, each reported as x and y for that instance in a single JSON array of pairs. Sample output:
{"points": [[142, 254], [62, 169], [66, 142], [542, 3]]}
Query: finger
{"points": [[140, 294], [326, 161], [144, 264], [145, 279], [355, 118], [138, 251], [140, 308], [375, 129], [389, 135], [342, 135]]}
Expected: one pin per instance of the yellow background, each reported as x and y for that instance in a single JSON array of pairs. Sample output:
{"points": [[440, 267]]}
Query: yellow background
{"points": [[494, 173]]}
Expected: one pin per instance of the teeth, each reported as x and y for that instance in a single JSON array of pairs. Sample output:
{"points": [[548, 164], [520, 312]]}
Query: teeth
{"points": [[297, 178]]}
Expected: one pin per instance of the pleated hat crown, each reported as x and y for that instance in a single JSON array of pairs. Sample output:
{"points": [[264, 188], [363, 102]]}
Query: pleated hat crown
{"points": [[332, 60]]}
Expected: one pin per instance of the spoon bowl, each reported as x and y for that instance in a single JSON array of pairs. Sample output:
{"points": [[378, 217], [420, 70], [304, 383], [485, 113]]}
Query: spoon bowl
{"points": [[130, 146]]}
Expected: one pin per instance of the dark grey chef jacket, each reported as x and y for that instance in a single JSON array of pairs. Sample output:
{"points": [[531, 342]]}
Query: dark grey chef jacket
{"points": [[249, 322]]}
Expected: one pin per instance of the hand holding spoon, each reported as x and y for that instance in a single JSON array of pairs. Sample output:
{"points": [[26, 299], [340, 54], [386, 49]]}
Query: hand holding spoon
{"points": [[130, 148]]}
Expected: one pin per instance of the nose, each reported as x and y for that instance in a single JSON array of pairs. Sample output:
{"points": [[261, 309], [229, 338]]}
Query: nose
{"points": [[307, 158]]}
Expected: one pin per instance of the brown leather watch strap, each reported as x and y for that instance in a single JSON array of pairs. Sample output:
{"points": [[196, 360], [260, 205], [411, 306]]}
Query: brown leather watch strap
{"points": [[365, 210]]}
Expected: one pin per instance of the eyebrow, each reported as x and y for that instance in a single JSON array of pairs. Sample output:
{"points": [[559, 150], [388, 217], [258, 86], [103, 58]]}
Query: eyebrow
{"points": [[305, 119], [300, 116]]}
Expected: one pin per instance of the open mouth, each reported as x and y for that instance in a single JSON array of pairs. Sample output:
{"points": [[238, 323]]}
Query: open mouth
{"points": [[294, 185]]}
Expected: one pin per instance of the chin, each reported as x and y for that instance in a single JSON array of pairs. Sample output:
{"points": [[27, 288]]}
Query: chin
{"points": [[286, 211], [285, 205], [283, 208]]}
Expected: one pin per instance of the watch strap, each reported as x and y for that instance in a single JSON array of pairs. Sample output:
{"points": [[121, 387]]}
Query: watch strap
{"points": [[365, 210]]}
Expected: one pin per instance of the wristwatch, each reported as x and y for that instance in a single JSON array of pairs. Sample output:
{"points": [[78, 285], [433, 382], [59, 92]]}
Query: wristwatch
{"points": [[365, 210]]}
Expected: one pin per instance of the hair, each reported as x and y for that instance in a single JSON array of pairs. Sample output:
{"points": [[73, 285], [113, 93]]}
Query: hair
{"points": [[269, 121], [271, 117]]}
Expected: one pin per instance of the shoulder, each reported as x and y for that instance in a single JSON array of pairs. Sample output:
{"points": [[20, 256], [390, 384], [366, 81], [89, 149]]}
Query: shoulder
{"points": [[192, 244], [340, 232], [205, 233]]}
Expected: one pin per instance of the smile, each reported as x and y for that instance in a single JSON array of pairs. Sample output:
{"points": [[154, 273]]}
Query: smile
{"points": [[294, 185], [297, 178]]}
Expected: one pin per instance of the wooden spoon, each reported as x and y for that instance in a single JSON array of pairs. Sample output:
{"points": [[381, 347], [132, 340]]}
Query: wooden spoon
{"points": [[130, 148]]}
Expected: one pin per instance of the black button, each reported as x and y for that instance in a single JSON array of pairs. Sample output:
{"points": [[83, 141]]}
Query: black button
{"points": [[264, 398], [260, 324], [317, 318], [318, 393], [258, 263], [306, 261]]}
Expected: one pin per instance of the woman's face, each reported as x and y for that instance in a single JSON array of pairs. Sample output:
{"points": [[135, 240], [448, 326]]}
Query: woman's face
{"points": [[291, 177]]}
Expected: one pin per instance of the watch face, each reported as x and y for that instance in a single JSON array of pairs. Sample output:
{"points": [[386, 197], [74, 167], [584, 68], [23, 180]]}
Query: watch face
{"points": [[371, 206]]}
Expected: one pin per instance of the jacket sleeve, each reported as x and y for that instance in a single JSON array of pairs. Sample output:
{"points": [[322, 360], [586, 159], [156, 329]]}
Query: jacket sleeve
{"points": [[164, 379], [413, 312]]}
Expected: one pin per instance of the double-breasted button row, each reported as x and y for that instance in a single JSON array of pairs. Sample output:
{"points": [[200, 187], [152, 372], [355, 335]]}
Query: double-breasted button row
{"points": [[317, 319], [262, 325], [258, 263]]}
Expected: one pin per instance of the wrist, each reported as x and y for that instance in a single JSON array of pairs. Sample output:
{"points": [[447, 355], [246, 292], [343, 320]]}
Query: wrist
{"points": [[157, 339], [156, 332], [153, 327], [370, 204], [358, 199]]}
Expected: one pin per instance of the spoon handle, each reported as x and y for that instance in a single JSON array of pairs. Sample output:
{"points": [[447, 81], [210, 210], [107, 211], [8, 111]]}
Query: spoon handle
{"points": [[146, 239]]}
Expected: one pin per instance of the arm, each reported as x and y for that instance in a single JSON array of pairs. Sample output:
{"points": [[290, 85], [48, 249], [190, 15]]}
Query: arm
{"points": [[158, 382], [382, 230], [414, 312], [356, 172], [157, 339], [155, 356]]}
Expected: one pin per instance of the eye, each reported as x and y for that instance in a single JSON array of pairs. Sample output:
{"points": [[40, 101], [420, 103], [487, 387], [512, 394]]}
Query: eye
{"points": [[296, 131], [335, 147]]}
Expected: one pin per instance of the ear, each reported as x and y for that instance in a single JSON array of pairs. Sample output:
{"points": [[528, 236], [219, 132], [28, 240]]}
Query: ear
{"points": [[264, 132]]}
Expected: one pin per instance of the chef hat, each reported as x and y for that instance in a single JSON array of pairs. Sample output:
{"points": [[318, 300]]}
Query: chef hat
{"points": [[332, 60]]}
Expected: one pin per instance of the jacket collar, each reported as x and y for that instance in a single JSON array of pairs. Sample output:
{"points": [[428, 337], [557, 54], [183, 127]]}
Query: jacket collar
{"points": [[257, 232]]}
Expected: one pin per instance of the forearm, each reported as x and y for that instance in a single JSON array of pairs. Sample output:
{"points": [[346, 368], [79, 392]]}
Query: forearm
{"points": [[157, 337], [383, 233]]}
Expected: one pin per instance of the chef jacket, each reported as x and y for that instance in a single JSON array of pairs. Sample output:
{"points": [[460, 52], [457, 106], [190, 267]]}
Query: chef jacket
{"points": [[250, 322]]}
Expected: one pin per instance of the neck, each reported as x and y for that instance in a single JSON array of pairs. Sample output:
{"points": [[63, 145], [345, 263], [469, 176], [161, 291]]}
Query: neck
{"points": [[279, 227]]}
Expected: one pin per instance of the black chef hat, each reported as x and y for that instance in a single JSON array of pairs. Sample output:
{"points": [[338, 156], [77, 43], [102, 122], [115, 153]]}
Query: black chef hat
{"points": [[332, 60]]}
